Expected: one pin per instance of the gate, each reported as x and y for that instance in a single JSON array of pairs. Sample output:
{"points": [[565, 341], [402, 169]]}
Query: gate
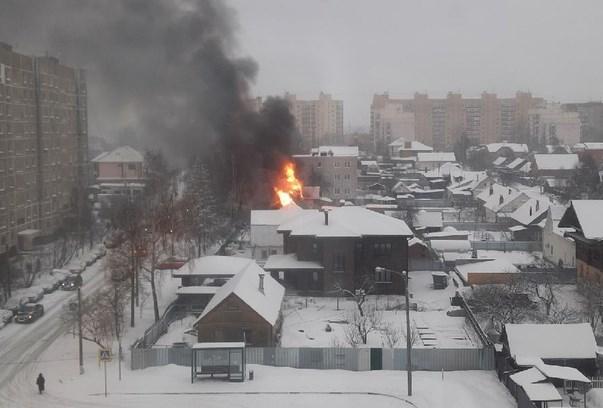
{"points": [[376, 359]]}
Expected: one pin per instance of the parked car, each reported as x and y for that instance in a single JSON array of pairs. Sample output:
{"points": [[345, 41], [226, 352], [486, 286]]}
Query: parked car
{"points": [[6, 316], [76, 267], [72, 282], [13, 304], [29, 313]]}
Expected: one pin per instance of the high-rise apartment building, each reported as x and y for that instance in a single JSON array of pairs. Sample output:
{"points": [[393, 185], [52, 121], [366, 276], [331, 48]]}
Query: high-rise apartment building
{"points": [[441, 122], [320, 121], [591, 119], [43, 144], [552, 124]]}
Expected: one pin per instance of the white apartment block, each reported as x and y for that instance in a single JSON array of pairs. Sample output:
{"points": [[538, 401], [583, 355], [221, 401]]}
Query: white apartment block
{"points": [[550, 122], [319, 121]]}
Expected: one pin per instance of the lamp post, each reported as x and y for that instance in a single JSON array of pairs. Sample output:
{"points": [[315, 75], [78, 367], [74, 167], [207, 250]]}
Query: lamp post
{"points": [[404, 275]]}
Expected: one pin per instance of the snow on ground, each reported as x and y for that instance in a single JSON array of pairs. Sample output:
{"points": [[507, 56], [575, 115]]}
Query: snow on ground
{"points": [[515, 257], [594, 398], [306, 319], [158, 386], [176, 331]]}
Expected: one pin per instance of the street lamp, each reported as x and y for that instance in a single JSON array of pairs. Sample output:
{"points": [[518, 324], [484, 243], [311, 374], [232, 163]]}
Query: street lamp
{"points": [[404, 274]]}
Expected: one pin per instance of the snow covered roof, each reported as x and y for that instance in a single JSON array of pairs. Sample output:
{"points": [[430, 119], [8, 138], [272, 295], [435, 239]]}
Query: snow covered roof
{"points": [[542, 392], [499, 161], [347, 221], [403, 144], [335, 151], [556, 161], [500, 197], [515, 164], [428, 219], [289, 261], [562, 373], [416, 241], [450, 245], [551, 341], [531, 210], [499, 265], [275, 217], [245, 285], [515, 147], [214, 265], [588, 214], [124, 154], [529, 376], [588, 146], [447, 233], [436, 157]]}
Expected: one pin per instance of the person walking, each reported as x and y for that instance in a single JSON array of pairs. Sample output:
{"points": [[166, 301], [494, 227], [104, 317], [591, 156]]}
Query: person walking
{"points": [[40, 381]]}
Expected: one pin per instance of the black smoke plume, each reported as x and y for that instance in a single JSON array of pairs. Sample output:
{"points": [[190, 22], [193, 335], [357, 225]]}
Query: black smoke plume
{"points": [[164, 73]]}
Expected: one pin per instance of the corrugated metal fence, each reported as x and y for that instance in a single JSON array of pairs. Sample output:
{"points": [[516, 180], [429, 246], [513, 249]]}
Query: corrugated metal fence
{"points": [[530, 246], [354, 359]]}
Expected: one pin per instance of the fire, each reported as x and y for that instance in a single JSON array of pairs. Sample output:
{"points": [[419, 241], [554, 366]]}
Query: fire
{"points": [[289, 186]]}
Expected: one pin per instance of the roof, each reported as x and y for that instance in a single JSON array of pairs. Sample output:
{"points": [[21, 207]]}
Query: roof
{"points": [[219, 345], [588, 146], [499, 265], [225, 266], [436, 157], [428, 219], [450, 245], [529, 376], [542, 392], [556, 161], [516, 164], [416, 241], [275, 217], [124, 154], [588, 215], [289, 261], [347, 221], [401, 143], [515, 147], [493, 201], [335, 150], [447, 232], [561, 372], [531, 210], [551, 341], [499, 161], [245, 285]]}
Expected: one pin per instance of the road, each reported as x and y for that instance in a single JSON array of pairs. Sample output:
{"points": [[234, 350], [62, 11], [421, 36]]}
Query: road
{"points": [[22, 344]]}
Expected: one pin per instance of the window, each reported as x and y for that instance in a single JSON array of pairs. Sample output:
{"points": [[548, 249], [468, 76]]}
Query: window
{"points": [[346, 177], [319, 164], [315, 276], [314, 247], [383, 275], [264, 254], [273, 252], [348, 164], [339, 263], [336, 164], [382, 248], [131, 166], [281, 275]]}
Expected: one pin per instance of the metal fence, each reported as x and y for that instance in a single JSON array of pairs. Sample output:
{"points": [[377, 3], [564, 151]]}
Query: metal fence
{"points": [[159, 328], [477, 226], [530, 246], [353, 359], [425, 265]]}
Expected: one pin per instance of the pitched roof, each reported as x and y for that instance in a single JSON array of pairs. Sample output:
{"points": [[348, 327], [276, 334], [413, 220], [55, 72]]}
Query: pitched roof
{"points": [[124, 154], [499, 265], [289, 261], [402, 144], [245, 285], [428, 219], [213, 265], [588, 217], [275, 217], [551, 341], [516, 164], [493, 201], [556, 161], [531, 210], [499, 161], [347, 221], [450, 245], [515, 147]]}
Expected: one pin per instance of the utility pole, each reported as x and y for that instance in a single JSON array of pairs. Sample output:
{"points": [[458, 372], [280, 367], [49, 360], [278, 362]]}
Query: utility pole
{"points": [[79, 331]]}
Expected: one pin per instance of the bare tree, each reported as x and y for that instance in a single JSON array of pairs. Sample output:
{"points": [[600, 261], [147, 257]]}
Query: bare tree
{"points": [[391, 335], [543, 288], [361, 325], [592, 302], [562, 314], [359, 295], [414, 334]]}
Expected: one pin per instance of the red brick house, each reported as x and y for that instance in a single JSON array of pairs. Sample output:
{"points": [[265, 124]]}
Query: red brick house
{"points": [[342, 246]]}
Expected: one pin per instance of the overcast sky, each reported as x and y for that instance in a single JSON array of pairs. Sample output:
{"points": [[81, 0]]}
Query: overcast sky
{"points": [[354, 48]]}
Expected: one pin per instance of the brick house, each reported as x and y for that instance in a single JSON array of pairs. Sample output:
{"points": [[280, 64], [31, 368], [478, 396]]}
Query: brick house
{"points": [[584, 216], [348, 243], [247, 308]]}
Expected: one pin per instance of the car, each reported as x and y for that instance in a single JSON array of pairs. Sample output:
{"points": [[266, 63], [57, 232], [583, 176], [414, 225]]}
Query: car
{"points": [[34, 294], [6, 316], [72, 282], [29, 313], [76, 268], [13, 304]]}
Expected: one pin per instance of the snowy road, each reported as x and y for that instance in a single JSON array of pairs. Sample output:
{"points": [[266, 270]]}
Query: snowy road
{"points": [[21, 345]]}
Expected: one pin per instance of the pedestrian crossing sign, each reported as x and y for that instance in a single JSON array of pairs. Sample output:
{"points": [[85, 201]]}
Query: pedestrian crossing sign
{"points": [[104, 355]]}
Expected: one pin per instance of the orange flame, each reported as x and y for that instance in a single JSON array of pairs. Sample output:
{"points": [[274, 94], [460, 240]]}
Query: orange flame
{"points": [[289, 186]]}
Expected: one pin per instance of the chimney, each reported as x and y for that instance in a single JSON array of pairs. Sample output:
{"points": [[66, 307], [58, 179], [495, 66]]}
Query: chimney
{"points": [[326, 212], [510, 190], [537, 205], [530, 211], [501, 199], [261, 287]]}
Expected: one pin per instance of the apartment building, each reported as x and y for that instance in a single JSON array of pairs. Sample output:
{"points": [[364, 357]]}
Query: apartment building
{"points": [[333, 168], [319, 121], [591, 119], [43, 144], [441, 122], [550, 124]]}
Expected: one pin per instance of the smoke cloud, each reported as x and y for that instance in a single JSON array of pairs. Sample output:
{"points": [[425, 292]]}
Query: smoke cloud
{"points": [[163, 73]]}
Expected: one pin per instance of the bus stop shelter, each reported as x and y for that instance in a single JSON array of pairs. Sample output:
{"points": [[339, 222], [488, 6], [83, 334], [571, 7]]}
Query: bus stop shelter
{"points": [[225, 359]]}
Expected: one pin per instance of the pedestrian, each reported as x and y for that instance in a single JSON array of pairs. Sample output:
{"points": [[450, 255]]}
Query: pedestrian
{"points": [[40, 381]]}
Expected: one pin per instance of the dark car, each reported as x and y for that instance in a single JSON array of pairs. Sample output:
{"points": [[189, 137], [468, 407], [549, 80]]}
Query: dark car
{"points": [[29, 313], [72, 282]]}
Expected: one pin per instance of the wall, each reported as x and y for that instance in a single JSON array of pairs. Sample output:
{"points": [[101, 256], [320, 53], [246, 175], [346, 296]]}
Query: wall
{"points": [[555, 248], [478, 278], [337, 176], [119, 171]]}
